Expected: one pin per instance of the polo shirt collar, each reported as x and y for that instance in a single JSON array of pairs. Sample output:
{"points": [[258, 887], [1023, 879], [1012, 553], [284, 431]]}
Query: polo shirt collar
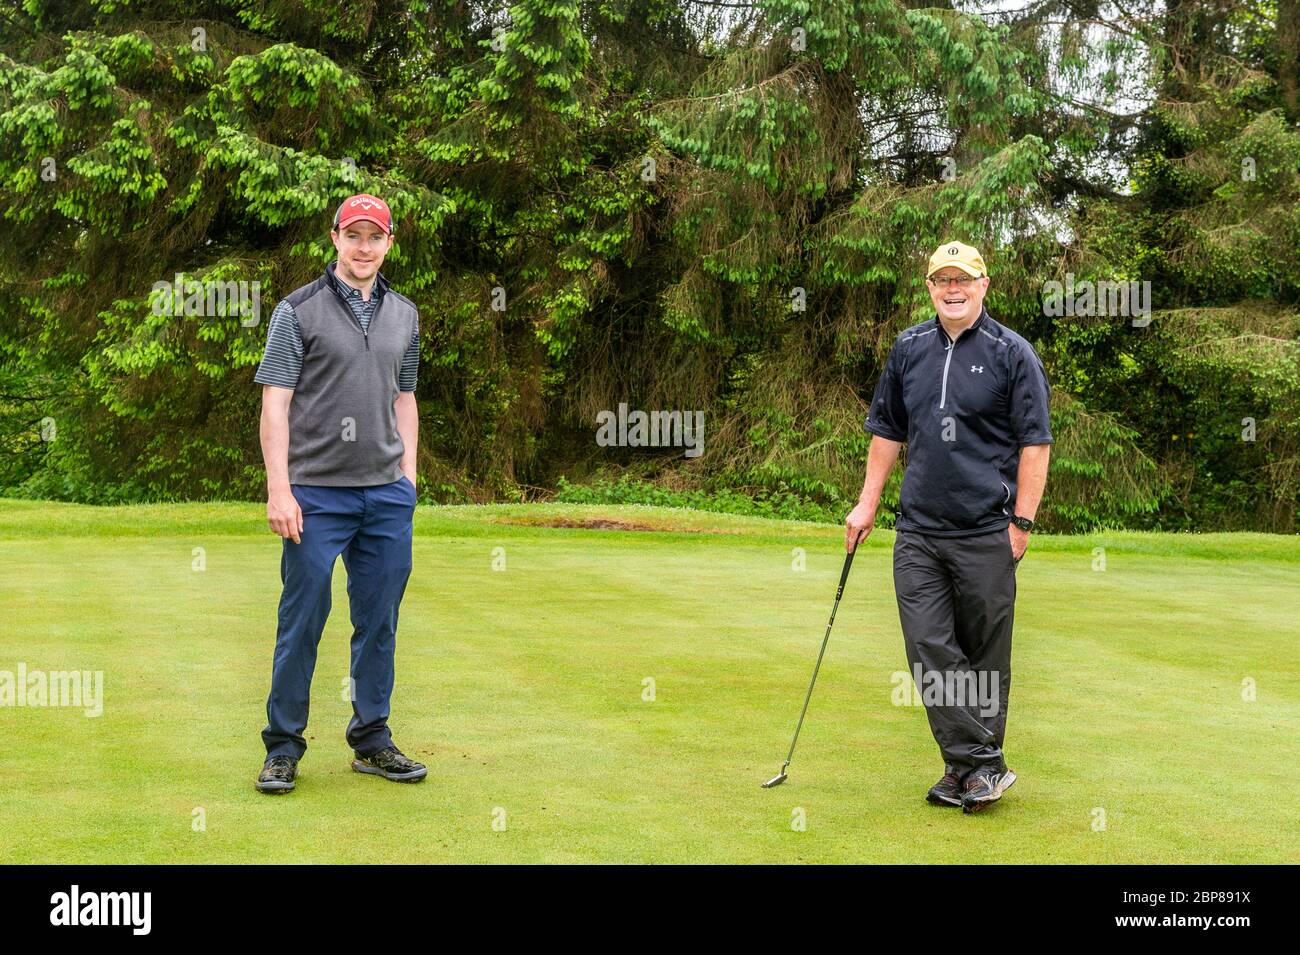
{"points": [[342, 289]]}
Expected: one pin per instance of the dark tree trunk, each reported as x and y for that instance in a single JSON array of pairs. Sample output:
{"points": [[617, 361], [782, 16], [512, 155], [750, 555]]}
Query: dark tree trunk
{"points": [[1288, 55]]}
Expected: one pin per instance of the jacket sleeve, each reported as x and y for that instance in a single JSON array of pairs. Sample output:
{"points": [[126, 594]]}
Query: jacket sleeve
{"points": [[887, 416], [1028, 397]]}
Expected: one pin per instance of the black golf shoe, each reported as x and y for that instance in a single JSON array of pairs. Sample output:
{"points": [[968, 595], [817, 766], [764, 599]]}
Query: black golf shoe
{"points": [[985, 786], [391, 764], [946, 792], [277, 775]]}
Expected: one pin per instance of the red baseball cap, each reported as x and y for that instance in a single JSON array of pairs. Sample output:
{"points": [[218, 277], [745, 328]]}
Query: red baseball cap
{"points": [[364, 207]]}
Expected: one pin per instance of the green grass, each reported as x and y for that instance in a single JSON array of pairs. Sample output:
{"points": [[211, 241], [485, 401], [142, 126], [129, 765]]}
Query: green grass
{"points": [[522, 689]]}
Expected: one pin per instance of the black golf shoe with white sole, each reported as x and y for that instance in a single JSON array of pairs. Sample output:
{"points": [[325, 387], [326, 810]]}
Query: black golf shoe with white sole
{"points": [[277, 775], [391, 764], [946, 792], [985, 786]]}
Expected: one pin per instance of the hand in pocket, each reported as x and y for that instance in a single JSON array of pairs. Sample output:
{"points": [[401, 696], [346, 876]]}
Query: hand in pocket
{"points": [[1019, 541]]}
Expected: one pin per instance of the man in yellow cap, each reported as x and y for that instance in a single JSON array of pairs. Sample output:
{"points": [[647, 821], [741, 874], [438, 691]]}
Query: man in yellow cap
{"points": [[969, 397]]}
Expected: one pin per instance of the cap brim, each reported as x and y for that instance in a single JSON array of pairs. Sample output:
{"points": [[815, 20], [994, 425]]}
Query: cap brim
{"points": [[969, 270], [347, 222]]}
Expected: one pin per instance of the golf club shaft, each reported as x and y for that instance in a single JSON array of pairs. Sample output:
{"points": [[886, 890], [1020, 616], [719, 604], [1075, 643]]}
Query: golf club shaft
{"points": [[844, 576]]}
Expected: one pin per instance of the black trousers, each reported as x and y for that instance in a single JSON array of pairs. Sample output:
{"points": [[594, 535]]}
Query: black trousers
{"points": [[956, 602]]}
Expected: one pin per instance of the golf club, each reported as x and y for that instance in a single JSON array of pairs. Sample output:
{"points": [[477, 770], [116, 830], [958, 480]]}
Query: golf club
{"points": [[780, 777]]}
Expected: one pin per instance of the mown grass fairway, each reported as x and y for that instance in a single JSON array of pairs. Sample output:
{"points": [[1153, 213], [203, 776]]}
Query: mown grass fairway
{"points": [[522, 690]]}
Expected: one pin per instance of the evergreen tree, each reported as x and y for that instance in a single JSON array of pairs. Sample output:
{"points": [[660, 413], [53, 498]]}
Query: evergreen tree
{"points": [[673, 203]]}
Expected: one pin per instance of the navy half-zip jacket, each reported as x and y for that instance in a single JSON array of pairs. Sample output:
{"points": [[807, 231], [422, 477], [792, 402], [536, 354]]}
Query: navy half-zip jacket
{"points": [[965, 409]]}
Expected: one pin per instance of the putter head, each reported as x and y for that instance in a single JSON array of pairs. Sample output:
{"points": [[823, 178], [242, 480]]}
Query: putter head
{"points": [[775, 781]]}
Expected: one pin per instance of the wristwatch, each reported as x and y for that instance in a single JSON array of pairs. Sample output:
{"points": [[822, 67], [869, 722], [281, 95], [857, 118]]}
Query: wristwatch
{"points": [[1024, 523]]}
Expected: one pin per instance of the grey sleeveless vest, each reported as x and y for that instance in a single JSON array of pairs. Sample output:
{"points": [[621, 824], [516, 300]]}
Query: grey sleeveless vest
{"points": [[342, 425]]}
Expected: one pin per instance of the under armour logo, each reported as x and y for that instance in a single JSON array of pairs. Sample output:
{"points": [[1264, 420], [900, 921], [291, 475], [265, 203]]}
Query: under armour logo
{"points": [[978, 368]]}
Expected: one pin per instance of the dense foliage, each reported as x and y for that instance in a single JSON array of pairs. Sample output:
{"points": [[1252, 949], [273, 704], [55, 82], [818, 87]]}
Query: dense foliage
{"points": [[672, 204]]}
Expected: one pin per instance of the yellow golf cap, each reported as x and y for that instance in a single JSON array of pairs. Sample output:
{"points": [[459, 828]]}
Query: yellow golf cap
{"points": [[965, 257]]}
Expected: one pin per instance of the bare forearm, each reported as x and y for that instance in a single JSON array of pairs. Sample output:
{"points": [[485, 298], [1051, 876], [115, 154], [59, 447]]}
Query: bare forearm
{"points": [[274, 432], [282, 510], [880, 458], [408, 429], [880, 461], [1031, 478]]}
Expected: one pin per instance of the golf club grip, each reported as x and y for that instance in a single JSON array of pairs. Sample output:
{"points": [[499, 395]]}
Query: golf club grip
{"points": [[844, 574]]}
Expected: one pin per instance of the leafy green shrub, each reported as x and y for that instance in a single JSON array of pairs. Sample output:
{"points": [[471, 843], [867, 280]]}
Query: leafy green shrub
{"points": [[782, 503]]}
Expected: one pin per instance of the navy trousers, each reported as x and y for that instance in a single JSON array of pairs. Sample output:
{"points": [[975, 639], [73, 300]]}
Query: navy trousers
{"points": [[371, 528]]}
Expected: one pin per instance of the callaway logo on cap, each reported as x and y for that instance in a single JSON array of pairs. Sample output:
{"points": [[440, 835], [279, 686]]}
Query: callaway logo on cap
{"points": [[364, 208], [965, 257]]}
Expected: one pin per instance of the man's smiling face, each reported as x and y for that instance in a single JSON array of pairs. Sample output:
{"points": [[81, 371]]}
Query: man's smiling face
{"points": [[956, 303], [362, 247]]}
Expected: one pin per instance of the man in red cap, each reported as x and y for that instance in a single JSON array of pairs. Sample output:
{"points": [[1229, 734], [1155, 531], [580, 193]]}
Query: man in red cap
{"points": [[339, 430]]}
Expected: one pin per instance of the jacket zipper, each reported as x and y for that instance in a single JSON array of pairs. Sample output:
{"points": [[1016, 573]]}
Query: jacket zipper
{"points": [[365, 332], [943, 392]]}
